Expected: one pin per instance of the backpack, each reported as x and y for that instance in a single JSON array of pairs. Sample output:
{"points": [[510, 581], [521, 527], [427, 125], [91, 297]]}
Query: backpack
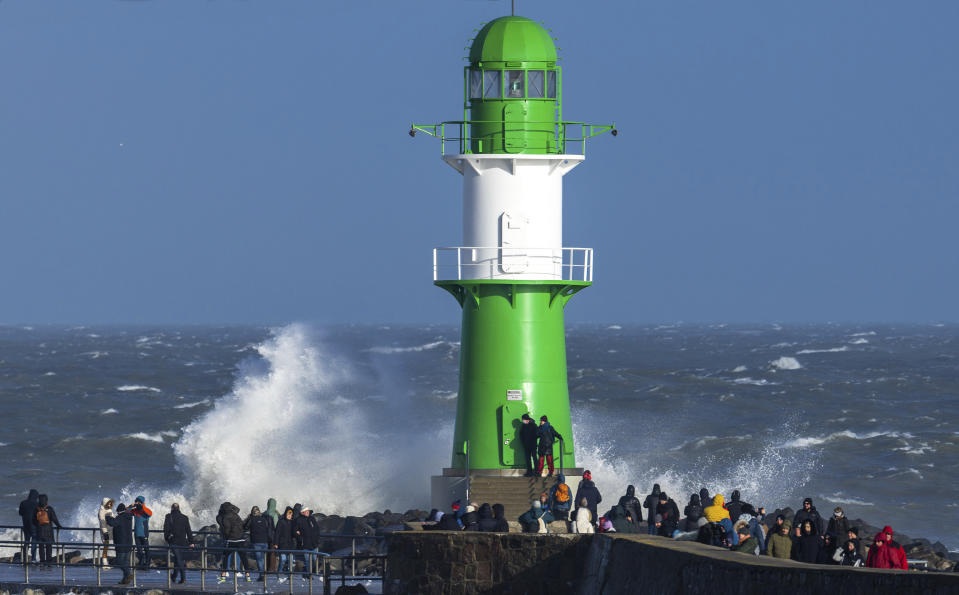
{"points": [[42, 517], [562, 493]]}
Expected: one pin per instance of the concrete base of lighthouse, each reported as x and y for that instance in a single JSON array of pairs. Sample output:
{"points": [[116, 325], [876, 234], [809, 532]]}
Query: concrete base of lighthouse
{"points": [[508, 487]]}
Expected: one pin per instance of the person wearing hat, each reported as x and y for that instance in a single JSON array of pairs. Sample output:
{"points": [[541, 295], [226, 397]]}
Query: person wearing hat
{"points": [[307, 532], [668, 513], [780, 542], [808, 512], [528, 436], [547, 436], [588, 493], [839, 526]]}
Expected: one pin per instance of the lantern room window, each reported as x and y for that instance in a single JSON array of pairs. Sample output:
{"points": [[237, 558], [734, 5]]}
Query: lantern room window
{"points": [[514, 83], [551, 84], [492, 84], [535, 78], [476, 84]]}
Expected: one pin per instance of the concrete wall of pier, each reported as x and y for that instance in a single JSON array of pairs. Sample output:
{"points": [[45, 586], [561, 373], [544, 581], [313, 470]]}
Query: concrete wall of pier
{"points": [[448, 562]]}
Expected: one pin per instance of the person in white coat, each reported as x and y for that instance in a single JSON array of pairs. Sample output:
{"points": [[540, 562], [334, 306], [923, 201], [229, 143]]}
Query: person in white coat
{"points": [[584, 518], [105, 512]]}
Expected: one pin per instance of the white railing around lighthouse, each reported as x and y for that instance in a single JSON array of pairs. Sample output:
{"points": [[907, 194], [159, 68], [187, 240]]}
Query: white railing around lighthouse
{"points": [[457, 263]]}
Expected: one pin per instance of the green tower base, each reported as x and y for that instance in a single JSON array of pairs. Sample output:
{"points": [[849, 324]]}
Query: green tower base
{"points": [[512, 361]]}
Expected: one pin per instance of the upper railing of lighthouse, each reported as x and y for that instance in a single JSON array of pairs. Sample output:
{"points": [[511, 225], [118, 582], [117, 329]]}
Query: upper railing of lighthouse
{"points": [[512, 97]]}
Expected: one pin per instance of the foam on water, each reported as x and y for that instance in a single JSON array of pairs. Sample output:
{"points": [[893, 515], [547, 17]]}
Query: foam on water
{"points": [[109, 411], [191, 405], [785, 363], [427, 346], [830, 350], [807, 441], [138, 387]]}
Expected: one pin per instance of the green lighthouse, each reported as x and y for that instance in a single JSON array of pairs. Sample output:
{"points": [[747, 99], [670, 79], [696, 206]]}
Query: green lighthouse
{"points": [[512, 276]]}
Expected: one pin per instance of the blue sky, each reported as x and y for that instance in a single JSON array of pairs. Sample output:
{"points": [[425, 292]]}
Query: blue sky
{"points": [[227, 161]]}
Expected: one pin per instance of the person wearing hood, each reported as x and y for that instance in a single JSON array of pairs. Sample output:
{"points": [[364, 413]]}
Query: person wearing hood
{"points": [[650, 504], [587, 491], [261, 529], [896, 553], [487, 523], [584, 518], [717, 511], [122, 525], [179, 536], [46, 520], [755, 530], [141, 531], [851, 555], [809, 544], [633, 506], [704, 497], [106, 511], [307, 536], [620, 519], [878, 553], [736, 506], [499, 517], [536, 519], [747, 543], [231, 530], [547, 435], [274, 515], [560, 499], [284, 538], [668, 512], [528, 435], [731, 536], [693, 511], [807, 512], [780, 543], [27, 510]]}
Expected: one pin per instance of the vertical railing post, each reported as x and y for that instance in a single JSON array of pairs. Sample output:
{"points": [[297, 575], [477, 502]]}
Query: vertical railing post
{"points": [[354, 557], [169, 576], [327, 587], [459, 264], [203, 565], [63, 566], [25, 557]]}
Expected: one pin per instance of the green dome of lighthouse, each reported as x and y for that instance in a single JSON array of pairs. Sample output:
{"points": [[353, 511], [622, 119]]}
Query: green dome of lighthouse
{"points": [[512, 39]]}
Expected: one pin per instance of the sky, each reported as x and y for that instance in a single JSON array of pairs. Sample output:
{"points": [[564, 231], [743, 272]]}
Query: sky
{"points": [[247, 161]]}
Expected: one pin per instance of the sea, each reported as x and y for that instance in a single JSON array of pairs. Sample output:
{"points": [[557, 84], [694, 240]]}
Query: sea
{"points": [[350, 419]]}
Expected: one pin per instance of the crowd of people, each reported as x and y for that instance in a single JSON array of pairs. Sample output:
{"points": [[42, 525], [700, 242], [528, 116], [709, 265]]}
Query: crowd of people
{"points": [[736, 525], [272, 540]]}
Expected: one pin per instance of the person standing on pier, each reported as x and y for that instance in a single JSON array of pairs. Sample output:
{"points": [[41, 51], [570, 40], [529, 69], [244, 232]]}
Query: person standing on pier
{"points": [[28, 509], [46, 519], [179, 536], [528, 436], [141, 531], [547, 436], [106, 511], [122, 524]]}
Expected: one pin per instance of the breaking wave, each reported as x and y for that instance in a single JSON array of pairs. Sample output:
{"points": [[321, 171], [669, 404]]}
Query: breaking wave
{"points": [[138, 387], [785, 363], [831, 350]]}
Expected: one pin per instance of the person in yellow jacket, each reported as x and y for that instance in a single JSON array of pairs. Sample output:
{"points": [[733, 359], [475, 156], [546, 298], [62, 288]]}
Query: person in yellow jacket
{"points": [[717, 511]]}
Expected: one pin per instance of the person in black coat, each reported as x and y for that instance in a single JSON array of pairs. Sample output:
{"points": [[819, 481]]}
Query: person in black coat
{"points": [[587, 489], [486, 521], [692, 512], [669, 515], [807, 512], [284, 538], [808, 545], [528, 436], [307, 533], [633, 506], [839, 526], [735, 506], [27, 511], [46, 519], [499, 516], [260, 527], [650, 504], [179, 536], [471, 519], [122, 525], [231, 530]]}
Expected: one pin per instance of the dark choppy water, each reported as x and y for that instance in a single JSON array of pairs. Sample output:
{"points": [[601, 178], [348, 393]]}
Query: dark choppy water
{"points": [[356, 418]]}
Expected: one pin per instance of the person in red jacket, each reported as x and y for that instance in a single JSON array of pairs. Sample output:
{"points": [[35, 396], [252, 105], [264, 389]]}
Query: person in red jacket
{"points": [[877, 557], [897, 555]]}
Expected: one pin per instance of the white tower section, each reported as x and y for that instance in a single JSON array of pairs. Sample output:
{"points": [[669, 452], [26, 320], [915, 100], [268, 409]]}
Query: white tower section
{"points": [[513, 220]]}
